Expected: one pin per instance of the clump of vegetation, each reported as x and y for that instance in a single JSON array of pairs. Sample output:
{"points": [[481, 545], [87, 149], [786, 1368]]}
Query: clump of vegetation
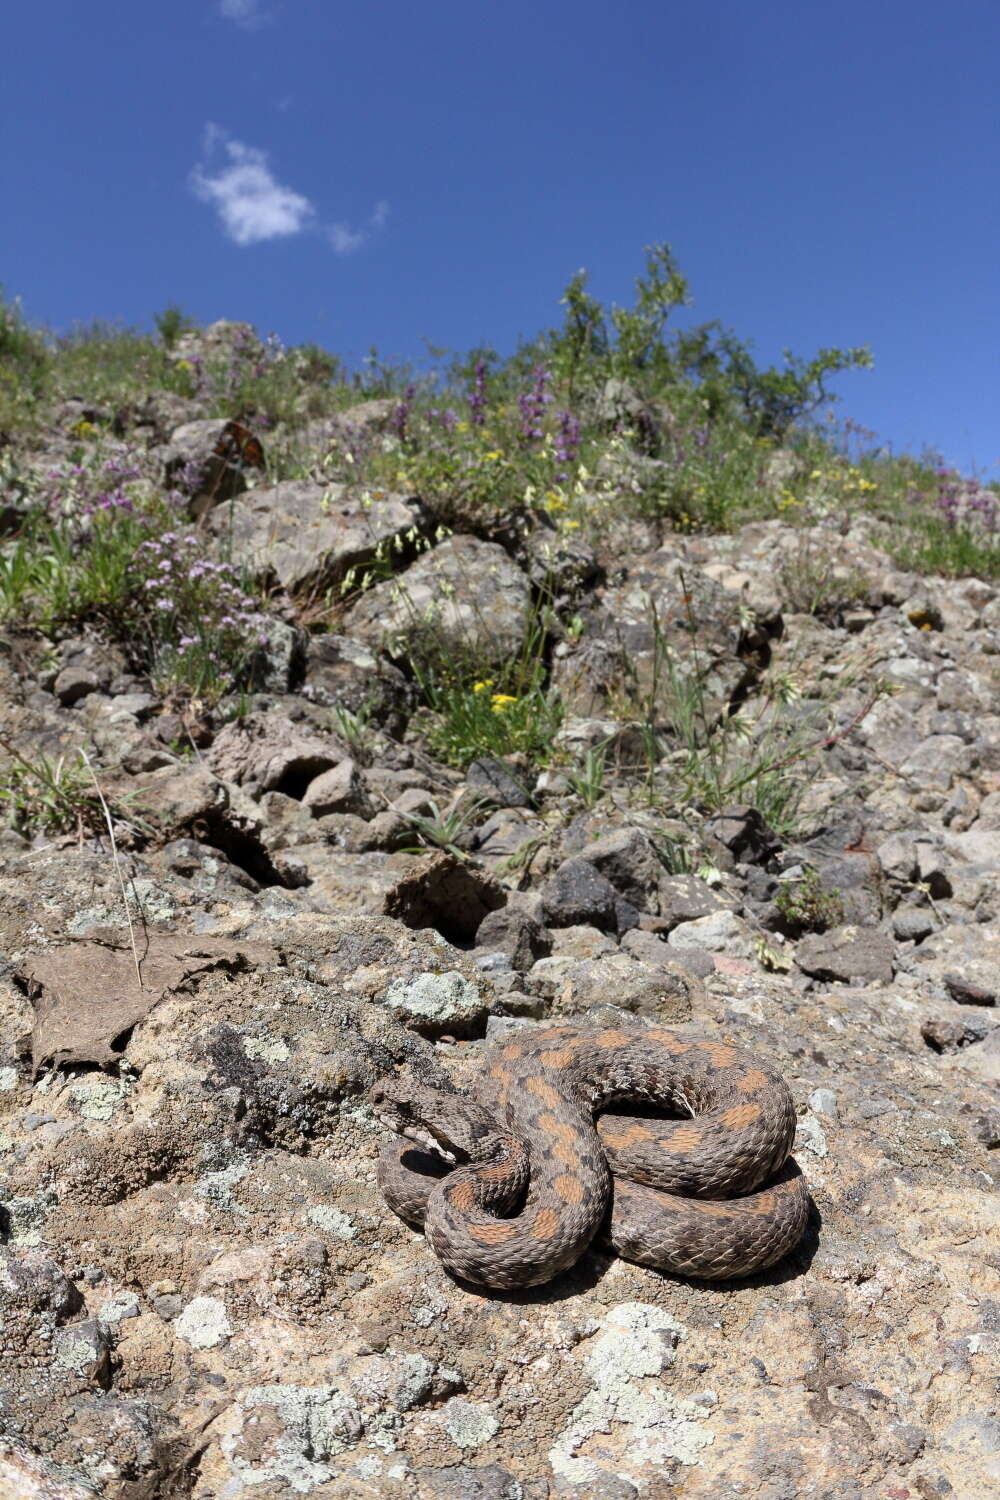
{"points": [[954, 527], [806, 905], [100, 546]]}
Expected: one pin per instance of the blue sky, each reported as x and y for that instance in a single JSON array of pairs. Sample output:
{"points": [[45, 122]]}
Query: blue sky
{"points": [[376, 174]]}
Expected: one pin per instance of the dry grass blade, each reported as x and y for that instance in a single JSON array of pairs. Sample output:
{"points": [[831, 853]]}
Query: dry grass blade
{"points": [[117, 862]]}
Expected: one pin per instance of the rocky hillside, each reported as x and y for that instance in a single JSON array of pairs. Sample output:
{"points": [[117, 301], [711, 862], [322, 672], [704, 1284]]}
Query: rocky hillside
{"points": [[342, 728]]}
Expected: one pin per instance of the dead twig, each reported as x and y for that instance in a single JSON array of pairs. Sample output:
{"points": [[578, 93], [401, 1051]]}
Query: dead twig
{"points": [[114, 854]]}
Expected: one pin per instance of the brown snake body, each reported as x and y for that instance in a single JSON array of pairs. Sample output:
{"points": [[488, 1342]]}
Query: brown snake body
{"points": [[536, 1175]]}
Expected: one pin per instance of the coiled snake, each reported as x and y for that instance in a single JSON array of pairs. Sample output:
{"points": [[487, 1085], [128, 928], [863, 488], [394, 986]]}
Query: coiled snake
{"points": [[511, 1187]]}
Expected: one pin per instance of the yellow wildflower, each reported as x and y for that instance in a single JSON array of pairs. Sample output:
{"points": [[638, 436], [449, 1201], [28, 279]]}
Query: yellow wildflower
{"points": [[461, 426], [482, 687], [492, 456], [500, 701], [84, 428]]}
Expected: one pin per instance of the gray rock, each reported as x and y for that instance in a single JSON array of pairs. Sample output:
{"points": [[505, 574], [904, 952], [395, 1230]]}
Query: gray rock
{"points": [[85, 1348], [855, 953], [437, 1004], [306, 536], [267, 752], [967, 992], [515, 933], [742, 831], [577, 894], [719, 932], [962, 959], [460, 1482], [74, 683], [898, 857], [341, 789], [581, 942], [911, 924], [496, 784], [277, 664], [936, 762], [343, 674], [685, 898], [464, 597], [628, 859], [622, 981], [932, 870]]}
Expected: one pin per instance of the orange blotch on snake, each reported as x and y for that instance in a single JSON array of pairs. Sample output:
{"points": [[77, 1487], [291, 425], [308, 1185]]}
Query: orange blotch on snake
{"points": [[498, 1172], [684, 1139], [543, 1091], [719, 1055], [566, 1154], [546, 1224], [632, 1135], [462, 1196], [667, 1040], [758, 1203], [752, 1080], [559, 1129], [569, 1187], [496, 1233], [612, 1039], [740, 1115], [560, 1058]]}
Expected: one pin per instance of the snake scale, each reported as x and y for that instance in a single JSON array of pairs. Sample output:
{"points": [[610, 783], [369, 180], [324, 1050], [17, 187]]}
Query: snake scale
{"points": [[512, 1186]]}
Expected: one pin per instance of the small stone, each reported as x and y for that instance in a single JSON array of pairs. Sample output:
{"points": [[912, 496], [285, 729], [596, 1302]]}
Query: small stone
{"points": [[74, 683], [437, 1003], [823, 1102], [966, 993], [495, 784], [340, 790], [847, 953], [685, 898], [943, 1036], [470, 1424], [898, 857], [515, 932], [987, 1128], [628, 859], [577, 894], [204, 1323], [117, 1309], [720, 932], [911, 924]]}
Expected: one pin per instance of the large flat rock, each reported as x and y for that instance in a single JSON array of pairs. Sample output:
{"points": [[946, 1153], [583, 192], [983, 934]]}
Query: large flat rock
{"points": [[307, 535]]}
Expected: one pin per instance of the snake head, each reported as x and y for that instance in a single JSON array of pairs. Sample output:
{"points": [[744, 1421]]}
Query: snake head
{"points": [[451, 1124], [399, 1104]]}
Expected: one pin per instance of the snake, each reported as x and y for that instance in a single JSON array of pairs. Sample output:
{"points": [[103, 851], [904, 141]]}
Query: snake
{"points": [[510, 1187]]}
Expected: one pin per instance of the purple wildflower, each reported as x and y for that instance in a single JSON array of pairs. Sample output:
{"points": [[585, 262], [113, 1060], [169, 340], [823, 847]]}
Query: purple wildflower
{"points": [[477, 396], [532, 404], [401, 416]]}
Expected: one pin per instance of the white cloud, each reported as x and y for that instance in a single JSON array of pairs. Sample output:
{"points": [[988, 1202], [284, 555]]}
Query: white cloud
{"points": [[346, 240], [247, 13], [252, 205]]}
